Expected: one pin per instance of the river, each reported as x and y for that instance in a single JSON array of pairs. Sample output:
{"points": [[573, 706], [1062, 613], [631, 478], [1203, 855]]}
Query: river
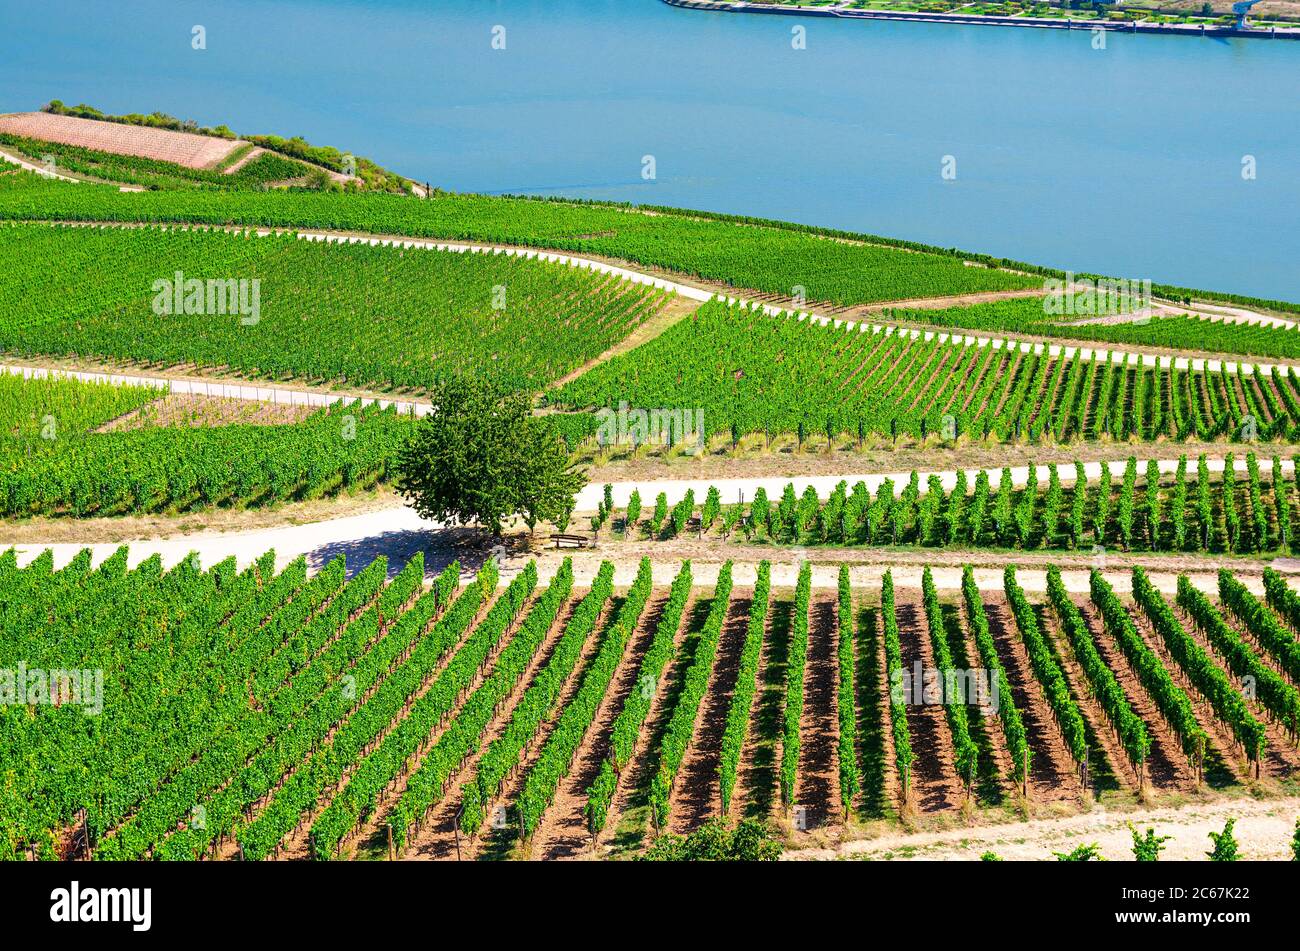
{"points": [[1126, 160]]}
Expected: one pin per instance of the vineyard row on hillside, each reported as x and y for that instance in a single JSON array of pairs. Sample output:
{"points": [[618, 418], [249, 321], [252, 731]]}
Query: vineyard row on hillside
{"points": [[471, 713]]}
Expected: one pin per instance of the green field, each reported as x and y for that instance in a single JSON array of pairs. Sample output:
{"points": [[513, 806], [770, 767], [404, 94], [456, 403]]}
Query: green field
{"points": [[1025, 315], [346, 314], [54, 463], [783, 375]]}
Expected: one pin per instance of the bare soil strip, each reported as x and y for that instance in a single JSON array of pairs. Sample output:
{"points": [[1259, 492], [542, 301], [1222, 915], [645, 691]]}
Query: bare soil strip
{"points": [[817, 786], [1052, 774], [697, 795]]}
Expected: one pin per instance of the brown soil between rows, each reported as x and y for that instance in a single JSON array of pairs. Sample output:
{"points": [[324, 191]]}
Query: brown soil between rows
{"points": [[934, 781], [817, 787], [1166, 767], [1052, 772], [437, 836], [564, 831], [697, 794]]}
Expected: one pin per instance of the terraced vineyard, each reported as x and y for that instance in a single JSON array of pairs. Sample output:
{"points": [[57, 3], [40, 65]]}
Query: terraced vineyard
{"points": [[339, 313], [1026, 315], [1127, 506], [746, 373], [55, 460], [476, 716]]}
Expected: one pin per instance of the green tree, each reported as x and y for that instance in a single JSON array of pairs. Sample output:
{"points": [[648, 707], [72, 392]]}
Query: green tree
{"points": [[483, 458], [1225, 844], [1147, 847], [1295, 843]]}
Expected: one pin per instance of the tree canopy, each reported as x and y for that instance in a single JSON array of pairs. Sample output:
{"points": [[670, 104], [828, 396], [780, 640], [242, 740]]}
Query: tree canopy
{"points": [[481, 457]]}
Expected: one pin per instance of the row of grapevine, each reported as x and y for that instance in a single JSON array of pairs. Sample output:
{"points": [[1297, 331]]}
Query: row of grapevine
{"points": [[1170, 699], [966, 753], [410, 723], [754, 374], [1013, 724], [903, 755], [636, 707], [556, 757], [846, 694], [304, 712], [1155, 517], [503, 755], [427, 785], [1224, 696], [1128, 727], [681, 724], [365, 713], [742, 698], [1262, 624], [1277, 696], [796, 664], [1047, 671]]}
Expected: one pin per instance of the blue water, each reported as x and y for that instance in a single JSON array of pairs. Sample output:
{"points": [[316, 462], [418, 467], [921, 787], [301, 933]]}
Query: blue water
{"points": [[1125, 160]]}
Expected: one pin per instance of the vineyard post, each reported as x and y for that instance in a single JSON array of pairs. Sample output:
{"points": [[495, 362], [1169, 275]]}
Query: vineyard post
{"points": [[1024, 771], [391, 856]]}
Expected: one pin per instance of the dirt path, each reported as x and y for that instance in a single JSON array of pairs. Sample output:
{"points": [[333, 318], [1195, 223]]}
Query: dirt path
{"points": [[563, 832], [1264, 829], [697, 796], [817, 787]]}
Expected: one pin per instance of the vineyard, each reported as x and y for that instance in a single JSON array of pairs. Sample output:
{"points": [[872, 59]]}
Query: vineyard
{"points": [[474, 715], [54, 461], [341, 313], [258, 172], [1128, 507], [772, 260], [1026, 315], [746, 373]]}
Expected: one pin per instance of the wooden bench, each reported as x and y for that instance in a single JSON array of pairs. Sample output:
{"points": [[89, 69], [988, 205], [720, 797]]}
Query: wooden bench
{"points": [[573, 541]]}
